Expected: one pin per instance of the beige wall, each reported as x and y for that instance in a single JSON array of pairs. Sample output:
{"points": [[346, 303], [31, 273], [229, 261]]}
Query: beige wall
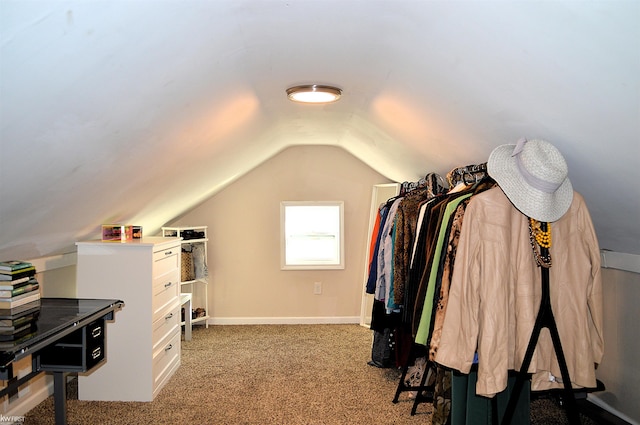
{"points": [[247, 285]]}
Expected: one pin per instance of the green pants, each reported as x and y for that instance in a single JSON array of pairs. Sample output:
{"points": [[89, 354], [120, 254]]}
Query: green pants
{"points": [[469, 409]]}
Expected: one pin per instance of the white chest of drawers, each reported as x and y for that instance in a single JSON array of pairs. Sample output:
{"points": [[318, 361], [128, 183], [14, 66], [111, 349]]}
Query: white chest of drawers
{"points": [[144, 343]]}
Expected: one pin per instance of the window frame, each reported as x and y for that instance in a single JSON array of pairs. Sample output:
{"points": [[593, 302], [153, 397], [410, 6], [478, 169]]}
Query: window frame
{"points": [[337, 261]]}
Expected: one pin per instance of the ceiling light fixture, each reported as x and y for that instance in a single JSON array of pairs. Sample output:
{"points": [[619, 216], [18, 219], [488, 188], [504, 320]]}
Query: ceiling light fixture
{"points": [[314, 93]]}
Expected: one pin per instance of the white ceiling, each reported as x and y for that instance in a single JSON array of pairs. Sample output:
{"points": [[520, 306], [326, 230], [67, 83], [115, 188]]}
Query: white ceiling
{"points": [[135, 111]]}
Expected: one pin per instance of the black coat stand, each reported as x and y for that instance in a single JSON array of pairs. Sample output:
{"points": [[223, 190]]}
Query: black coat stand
{"points": [[544, 319]]}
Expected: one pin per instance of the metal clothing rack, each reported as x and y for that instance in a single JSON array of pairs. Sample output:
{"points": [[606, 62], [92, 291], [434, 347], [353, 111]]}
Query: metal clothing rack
{"points": [[544, 319]]}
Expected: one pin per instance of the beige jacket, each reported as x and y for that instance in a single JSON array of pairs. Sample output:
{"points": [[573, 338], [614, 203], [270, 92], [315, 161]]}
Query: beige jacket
{"points": [[495, 296]]}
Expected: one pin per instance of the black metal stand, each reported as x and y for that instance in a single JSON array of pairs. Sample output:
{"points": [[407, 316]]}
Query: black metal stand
{"points": [[420, 389], [544, 319]]}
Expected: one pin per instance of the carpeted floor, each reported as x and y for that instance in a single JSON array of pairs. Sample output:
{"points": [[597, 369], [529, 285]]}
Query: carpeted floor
{"points": [[271, 374]]}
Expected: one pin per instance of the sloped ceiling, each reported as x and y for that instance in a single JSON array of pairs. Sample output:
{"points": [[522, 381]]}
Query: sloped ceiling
{"points": [[135, 111]]}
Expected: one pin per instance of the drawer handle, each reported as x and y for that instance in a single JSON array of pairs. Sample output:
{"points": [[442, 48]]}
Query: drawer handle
{"points": [[169, 347], [168, 316], [96, 332], [168, 284], [168, 252], [96, 353]]}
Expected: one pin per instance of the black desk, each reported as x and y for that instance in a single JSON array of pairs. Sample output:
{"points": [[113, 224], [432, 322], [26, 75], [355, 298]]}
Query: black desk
{"points": [[68, 335]]}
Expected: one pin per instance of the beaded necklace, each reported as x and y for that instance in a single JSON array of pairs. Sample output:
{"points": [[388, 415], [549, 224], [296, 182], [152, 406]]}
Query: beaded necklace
{"points": [[540, 237]]}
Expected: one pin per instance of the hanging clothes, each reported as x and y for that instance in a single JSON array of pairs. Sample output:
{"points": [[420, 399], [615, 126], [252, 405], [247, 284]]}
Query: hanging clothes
{"points": [[406, 220], [376, 236], [447, 272], [424, 322], [468, 285], [442, 397], [406, 224], [384, 280], [436, 236], [396, 222], [381, 323], [392, 236], [495, 294], [420, 259], [435, 281], [418, 222]]}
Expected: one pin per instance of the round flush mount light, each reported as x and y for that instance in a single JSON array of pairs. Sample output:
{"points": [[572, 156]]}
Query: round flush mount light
{"points": [[314, 93]]}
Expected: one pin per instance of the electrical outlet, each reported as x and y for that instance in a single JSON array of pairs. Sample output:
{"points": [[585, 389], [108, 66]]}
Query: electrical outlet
{"points": [[317, 288]]}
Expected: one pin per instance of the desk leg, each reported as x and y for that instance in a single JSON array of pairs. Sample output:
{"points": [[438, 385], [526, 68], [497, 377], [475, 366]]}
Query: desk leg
{"points": [[60, 397]]}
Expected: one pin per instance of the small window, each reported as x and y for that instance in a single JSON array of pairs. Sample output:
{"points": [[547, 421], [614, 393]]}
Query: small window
{"points": [[311, 235]]}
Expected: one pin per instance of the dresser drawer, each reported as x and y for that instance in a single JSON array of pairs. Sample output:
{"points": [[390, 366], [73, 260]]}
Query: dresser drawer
{"points": [[79, 351], [165, 357], [165, 294], [166, 324], [166, 279], [166, 260]]}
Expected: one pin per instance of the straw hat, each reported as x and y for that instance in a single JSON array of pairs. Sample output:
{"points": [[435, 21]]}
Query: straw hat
{"points": [[533, 175]]}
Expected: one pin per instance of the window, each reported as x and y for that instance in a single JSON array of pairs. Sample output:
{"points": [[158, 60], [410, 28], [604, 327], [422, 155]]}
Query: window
{"points": [[311, 235]]}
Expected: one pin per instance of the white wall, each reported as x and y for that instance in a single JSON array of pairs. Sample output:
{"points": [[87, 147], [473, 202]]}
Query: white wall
{"points": [[620, 368]]}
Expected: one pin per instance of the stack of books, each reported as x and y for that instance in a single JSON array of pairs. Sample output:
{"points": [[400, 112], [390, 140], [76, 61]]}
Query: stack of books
{"points": [[19, 301], [18, 324], [18, 285]]}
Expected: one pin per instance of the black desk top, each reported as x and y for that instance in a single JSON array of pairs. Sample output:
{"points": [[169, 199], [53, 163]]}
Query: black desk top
{"points": [[56, 317]]}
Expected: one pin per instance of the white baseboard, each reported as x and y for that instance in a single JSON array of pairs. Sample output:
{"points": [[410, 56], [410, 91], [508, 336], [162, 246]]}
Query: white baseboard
{"points": [[593, 398], [283, 320]]}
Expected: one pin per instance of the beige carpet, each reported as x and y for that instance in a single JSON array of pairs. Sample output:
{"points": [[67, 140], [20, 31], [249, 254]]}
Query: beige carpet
{"points": [[289, 374]]}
